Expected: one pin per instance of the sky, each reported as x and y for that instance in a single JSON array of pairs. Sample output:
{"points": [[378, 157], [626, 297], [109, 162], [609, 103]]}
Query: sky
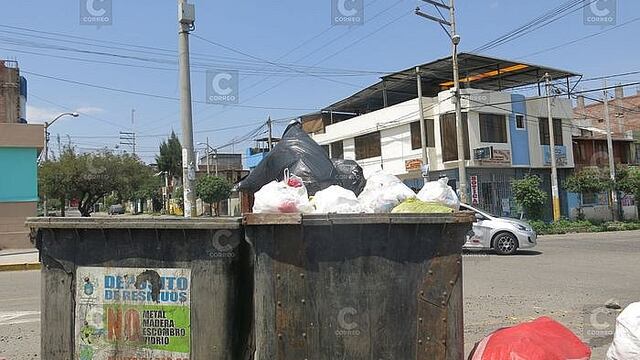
{"points": [[289, 57]]}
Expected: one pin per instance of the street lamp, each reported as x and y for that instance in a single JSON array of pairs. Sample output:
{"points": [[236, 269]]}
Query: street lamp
{"points": [[46, 149], [46, 131]]}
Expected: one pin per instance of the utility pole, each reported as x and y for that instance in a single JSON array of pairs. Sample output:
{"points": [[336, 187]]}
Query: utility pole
{"points": [[270, 133], [423, 135], [128, 139], [455, 41], [133, 130], [612, 165], [59, 144], [552, 150], [186, 18], [208, 161]]}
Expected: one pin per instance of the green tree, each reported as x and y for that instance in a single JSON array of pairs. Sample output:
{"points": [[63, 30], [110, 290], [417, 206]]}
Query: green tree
{"points": [[212, 190], [628, 181], [588, 180], [170, 157], [529, 196], [91, 176]]}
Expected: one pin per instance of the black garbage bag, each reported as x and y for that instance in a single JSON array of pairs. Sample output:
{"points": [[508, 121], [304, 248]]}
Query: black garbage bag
{"points": [[299, 153], [350, 175]]}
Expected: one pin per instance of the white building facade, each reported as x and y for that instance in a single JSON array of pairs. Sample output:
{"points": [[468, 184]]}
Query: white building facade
{"points": [[506, 137]]}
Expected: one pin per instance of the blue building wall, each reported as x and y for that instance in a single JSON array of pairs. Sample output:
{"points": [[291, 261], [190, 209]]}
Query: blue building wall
{"points": [[251, 161], [519, 137], [19, 169]]}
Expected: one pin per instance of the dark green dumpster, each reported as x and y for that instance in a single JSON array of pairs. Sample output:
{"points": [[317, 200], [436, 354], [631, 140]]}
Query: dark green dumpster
{"points": [[144, 288], [358, 286]]}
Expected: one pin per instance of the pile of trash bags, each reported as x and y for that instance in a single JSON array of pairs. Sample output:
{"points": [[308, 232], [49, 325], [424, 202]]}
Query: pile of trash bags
{"points": [[383, 193], [297, 176]]}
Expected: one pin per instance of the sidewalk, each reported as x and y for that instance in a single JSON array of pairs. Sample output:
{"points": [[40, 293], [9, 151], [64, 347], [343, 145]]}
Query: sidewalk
{"points": [[19, 259]]}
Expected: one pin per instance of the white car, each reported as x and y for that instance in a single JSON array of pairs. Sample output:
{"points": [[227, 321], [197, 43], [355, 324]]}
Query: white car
{"points": [[504, 235]]}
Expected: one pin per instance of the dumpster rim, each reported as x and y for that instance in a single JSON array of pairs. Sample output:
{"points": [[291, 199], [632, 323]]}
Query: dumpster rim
{"points": [[356, 219], [122, 222]]}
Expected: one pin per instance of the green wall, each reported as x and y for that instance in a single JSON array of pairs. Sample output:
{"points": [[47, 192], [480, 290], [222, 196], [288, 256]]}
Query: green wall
{"points": [[18, 174]]}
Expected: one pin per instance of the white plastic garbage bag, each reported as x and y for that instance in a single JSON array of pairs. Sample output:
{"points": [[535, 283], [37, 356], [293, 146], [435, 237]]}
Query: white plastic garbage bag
{"points": [[288, 196], [626, 339], [383, 192], [439, 191], [336, 199]]}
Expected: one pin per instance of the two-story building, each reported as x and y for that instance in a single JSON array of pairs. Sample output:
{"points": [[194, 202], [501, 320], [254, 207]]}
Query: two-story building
{"points": [[506, 134]]}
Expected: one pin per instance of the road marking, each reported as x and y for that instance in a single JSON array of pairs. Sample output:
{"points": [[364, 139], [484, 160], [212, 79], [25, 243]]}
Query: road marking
{"points": [[18, 317]]}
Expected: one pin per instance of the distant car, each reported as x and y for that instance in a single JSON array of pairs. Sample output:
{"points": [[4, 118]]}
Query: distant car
{"points": [[504, 235], [116, 209]]}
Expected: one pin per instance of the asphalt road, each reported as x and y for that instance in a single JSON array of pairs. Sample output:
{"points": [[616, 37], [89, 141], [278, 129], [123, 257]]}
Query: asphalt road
{"points": [[567, 277]]}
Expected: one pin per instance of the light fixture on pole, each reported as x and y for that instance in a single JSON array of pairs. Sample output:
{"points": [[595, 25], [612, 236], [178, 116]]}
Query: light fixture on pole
{"points": [[455, 41], [46, 150]]}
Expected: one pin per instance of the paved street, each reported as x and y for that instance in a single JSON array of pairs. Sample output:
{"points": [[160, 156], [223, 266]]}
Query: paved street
{"points": [[568, 277]]}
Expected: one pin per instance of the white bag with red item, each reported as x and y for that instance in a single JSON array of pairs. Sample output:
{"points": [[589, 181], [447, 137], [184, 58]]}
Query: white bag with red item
{"points": [[626, 339], [288, 196]]}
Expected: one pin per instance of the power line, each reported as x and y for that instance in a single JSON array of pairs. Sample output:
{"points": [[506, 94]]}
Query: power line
{"points": [[157, 96]]}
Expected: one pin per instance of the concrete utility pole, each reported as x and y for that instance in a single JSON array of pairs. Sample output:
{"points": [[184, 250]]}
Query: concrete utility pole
{"points": [[269, 125], [208, 154], [612, 165], [455, 41], [423, 135], [186, 18], [555, 195]]}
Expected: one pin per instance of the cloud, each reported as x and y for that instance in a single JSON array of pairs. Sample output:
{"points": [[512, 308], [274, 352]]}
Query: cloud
{"points": [[494, 4], [39, 115]]}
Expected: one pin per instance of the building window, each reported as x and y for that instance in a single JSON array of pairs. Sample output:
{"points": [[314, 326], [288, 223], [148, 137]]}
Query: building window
{"points": [[520, 122], [593, 199], [416, 141], [544, 131], [493, 128], [448, 137], [368, 146], [337, 150]]}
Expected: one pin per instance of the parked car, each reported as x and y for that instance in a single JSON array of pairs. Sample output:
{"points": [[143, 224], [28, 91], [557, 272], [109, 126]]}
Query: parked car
{"points": [[504, 235], [116, 209]]}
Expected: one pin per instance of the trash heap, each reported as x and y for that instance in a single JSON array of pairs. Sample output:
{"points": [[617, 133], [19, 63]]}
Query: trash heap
{"points": [[297, 176]]}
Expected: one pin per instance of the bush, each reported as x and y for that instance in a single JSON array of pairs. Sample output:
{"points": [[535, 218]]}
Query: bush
{"points": [[581, 226], [529, 195]]}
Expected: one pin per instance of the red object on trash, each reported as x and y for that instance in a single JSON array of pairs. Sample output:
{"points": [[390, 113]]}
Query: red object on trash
{"points": [[541, 339]]}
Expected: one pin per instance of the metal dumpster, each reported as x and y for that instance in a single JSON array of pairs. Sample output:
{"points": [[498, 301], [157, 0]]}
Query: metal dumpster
{"points": [[358, 286], [144, 288]]}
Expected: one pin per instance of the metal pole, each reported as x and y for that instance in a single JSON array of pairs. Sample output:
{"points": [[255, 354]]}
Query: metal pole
{"points": [[188, 167], [423, 135], [612, 166], [208, 161], [552, 150], [462, 172], [215, 154], [270, 134], [45, 206]]}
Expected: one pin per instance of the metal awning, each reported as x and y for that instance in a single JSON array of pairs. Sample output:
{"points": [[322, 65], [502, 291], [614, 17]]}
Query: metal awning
{"points": [[476, 71]]}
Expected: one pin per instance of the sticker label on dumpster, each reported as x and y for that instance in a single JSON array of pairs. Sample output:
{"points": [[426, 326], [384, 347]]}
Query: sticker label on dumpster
{"points": [[132, 313]]}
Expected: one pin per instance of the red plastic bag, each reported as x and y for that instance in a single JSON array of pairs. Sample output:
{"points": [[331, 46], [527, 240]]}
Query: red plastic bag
{"points": [[541, 339]]}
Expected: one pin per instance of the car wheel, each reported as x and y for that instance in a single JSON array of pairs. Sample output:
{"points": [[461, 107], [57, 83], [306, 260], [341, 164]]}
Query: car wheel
{"points": [[505, 244]]}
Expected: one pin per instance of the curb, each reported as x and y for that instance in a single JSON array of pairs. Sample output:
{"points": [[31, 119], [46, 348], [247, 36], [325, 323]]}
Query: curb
{"points": [[20, 267]]}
